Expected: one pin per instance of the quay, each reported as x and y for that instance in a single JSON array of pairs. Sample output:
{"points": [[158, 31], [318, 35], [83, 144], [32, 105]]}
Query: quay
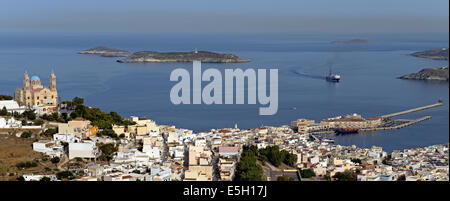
{"points": [[387, 116], [410, 122]]}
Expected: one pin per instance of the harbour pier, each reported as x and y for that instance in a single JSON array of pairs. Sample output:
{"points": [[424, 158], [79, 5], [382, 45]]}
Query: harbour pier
{"points": [[408, 123], [387, 116]]}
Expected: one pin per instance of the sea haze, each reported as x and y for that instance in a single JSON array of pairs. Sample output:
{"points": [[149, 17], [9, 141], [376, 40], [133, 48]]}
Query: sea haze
{"points": [[368, 87]]}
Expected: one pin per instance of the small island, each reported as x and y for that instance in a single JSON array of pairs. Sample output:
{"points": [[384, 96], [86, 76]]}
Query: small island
{"points": [[353, 41], [437, 54], [435, 74], [203, 56], [106, 52]]}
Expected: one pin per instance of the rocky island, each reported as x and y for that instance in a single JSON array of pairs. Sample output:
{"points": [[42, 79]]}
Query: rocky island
{"points": [[204, 56], [437, 54], [353, 41], [437, 74], [106, 52]]}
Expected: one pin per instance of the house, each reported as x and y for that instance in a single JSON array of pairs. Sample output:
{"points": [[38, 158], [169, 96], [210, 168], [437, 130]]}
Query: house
{"points": [[86, 149], [64, 137], [228, 151], [12, 106], [49, 148]]}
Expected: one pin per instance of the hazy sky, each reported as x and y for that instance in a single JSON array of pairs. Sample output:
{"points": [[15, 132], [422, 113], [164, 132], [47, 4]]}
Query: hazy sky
{"points": [[234, 16]]}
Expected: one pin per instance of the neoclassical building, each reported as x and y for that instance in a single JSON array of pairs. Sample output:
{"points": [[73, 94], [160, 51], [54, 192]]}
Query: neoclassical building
{"points": [[34, 94]]}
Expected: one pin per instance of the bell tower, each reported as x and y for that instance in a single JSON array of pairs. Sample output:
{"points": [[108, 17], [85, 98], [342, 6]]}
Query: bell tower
{"points": [[26, 81], [53, 81]]}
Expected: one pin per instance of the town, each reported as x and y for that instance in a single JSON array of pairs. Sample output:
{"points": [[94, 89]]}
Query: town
{"points": [[68, 140]]}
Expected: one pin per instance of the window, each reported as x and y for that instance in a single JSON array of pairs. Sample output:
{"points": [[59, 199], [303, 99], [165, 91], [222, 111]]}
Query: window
{"points": [[45, 97]]}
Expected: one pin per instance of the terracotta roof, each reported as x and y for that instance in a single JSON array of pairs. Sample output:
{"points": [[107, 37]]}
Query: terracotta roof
{"points": [[228, 149]]}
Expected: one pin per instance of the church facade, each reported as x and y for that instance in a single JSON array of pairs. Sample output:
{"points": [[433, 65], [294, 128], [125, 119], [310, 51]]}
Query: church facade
{"points": [[34, 94]]}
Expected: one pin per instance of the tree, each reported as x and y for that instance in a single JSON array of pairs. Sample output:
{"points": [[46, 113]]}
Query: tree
{"points": [[345, 176], [3, 112], [29, 114], [307, 173], [38, 122], [26, 134], [45, 179], [107, 151], [55, 160], [64, 174], [5, 97], [248, 169], [77, 101], [290, 159], [282, 178], [50, 132]]}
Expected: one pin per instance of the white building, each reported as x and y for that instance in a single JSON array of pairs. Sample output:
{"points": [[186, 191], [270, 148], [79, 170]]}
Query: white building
{"points": [[152, 152], [86, 149], [49, 148], [12, 106], [69, 138]]}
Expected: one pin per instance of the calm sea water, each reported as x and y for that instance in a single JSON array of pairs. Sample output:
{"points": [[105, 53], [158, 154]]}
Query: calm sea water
{"points": [[369, 86]]}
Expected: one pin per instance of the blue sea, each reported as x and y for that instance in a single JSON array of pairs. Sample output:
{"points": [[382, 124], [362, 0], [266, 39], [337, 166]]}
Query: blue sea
{"points": [[369, 84]]}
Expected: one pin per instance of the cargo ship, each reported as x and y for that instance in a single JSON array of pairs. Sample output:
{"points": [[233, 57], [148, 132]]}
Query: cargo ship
{"points": [[333, 77], [344, 131]]}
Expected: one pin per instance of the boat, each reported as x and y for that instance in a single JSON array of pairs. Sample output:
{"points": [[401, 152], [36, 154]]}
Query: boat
{"points": [[333, 77], [328, 140], [343, 131]]}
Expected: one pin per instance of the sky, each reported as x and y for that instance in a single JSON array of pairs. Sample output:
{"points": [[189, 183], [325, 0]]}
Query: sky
{"points": [[226, 16]]}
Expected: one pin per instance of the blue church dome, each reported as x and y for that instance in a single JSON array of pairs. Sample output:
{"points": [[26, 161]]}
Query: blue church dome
{"points": [[35, 77]]}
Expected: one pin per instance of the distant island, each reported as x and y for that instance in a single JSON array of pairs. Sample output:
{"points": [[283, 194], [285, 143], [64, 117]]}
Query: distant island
{"points": [[438, 74], [437, 54], [353, 41], [204, 56], [106, 52]]}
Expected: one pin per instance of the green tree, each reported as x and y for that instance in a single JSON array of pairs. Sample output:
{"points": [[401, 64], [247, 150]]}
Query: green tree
{"points": [[345, 176], [45, 179], [5, 97], [77, 101], [55, 160], [107, 151], [50, 132], [64, 175], [290, 159], [3, 112], [29, 114], [248, 169], [26, 134], [307, 173], [38, 122]]}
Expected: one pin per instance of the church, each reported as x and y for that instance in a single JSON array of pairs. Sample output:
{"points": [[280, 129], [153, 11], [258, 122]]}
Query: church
{"points": [[34, 94]]}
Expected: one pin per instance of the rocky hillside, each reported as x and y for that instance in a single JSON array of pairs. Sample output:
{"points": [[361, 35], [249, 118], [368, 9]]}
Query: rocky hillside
{"points": [[106, 52], [204, 56], [441, 74], [437, 54]]}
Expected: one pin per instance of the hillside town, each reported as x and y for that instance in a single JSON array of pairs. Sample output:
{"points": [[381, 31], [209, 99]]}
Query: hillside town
{"points": [[80, 143]]}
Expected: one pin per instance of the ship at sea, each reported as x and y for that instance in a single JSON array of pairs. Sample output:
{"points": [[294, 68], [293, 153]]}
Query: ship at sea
{"points": [[333, 77]]}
